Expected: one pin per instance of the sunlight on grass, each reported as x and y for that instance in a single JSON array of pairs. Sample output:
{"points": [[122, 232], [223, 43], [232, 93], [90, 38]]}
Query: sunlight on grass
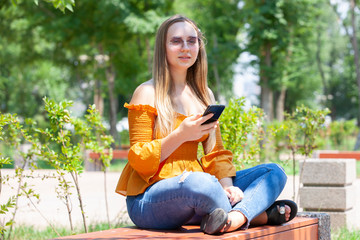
{"points": [[117, 165], [28, 232], [345, 234]]}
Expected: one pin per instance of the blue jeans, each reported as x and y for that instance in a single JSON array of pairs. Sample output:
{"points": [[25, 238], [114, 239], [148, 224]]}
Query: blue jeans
{"points": [[173, 202]]}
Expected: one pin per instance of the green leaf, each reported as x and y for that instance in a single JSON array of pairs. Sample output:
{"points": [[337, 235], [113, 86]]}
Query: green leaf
{"points": [[70, 7]]}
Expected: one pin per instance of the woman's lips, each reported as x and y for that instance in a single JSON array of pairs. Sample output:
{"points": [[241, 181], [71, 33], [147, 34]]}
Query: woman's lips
{"points": [[184, 57]]}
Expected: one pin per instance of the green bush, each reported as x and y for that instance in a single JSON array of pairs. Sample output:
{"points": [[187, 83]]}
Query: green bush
{"points": [[242, 131], [59, 146], [341, 132]]}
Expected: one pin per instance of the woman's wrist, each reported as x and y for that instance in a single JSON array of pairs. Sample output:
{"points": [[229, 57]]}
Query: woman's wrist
{"points": [[170, 143], [226, 182], [178, 136]]}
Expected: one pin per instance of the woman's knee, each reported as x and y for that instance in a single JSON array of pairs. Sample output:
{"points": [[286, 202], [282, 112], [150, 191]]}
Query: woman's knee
{"points": [[199, 182], [277, 170]]}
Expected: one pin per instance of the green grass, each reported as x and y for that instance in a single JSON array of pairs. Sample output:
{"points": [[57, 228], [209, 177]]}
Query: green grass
{"points": [[117, 165], [345, 234], [28, 232]]}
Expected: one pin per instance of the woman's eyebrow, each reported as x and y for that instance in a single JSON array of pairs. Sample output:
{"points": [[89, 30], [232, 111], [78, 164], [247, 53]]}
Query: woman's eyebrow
{"points": [[190, 37]]}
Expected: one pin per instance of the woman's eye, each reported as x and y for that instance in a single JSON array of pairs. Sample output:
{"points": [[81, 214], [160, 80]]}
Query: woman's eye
{"points": [[191, 42], [176, 41]]}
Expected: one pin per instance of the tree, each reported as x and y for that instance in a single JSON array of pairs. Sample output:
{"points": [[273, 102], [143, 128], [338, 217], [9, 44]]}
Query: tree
{"points": [[60, 4], [26, 70], [351, 33], [221, 33], [101, 45], [278, 34]]}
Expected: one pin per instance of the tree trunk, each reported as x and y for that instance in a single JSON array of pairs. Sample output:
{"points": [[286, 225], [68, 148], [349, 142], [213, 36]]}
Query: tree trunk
{"points": [[356, 59], [354, 45], [266, 92], [280, 104], [319, 65], [216, 71], [98, 99], [110, 78]]}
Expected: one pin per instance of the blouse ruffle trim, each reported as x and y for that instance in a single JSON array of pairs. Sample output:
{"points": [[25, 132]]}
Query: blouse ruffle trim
{"points": [[141, 107]]}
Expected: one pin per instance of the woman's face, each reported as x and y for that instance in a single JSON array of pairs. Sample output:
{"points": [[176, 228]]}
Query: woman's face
{"points": [[182, 46]]}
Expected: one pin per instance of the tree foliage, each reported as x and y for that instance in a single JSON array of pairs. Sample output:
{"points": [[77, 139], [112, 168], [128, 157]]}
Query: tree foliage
{"points": [[280, 35], [221, 39], [101, 50]]}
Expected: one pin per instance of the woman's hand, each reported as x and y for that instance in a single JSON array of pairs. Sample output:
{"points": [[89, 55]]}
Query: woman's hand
{"points": [[191, 129], [234, 194]]}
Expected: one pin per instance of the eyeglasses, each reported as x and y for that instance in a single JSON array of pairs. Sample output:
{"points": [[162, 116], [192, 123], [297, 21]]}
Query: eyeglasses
{"points": [[177, 41]]}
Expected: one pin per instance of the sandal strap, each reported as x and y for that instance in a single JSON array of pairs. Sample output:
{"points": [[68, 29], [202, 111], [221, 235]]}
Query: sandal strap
{"points": [[276, 212], [275, 217], [227, 226]]}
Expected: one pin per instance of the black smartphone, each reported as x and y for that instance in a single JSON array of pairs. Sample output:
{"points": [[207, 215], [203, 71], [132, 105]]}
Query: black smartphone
{"points": [[216, 110]]}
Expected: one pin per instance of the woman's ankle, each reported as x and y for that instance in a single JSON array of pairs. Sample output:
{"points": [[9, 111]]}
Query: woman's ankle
{"points": [[259, 220], [236, 219]]}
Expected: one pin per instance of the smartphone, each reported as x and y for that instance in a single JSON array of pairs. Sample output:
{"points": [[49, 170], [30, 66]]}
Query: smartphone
{"points": [[216, 110]]}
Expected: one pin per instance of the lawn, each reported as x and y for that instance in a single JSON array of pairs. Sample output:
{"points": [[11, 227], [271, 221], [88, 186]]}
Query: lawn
{"points": [[28, 232]]}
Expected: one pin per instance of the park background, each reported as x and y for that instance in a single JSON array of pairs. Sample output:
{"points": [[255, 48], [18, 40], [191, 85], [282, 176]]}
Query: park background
{"points": [[282, 56]]}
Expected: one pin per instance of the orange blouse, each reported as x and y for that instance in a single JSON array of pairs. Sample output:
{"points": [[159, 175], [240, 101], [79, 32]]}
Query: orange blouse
{"points": [[144, 167]]}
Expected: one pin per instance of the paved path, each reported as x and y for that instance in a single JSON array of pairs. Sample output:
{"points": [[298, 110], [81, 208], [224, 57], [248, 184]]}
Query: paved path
{"points": [[92, 190]]}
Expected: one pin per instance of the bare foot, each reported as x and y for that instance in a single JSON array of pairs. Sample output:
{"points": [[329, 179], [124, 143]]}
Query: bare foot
{"points": [[287, 212], [236, 219], [262, 218]]}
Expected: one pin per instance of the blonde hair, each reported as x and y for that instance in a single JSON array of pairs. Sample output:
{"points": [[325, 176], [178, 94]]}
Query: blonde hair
{"points": [[196, 78]]}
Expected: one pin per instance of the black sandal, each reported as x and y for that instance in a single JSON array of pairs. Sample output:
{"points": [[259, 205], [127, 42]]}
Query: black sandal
{"points": [[213, 222], [276, 212]]}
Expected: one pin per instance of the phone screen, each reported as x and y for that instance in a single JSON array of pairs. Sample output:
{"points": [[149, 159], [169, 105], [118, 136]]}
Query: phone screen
{"points": [[216, 110]]}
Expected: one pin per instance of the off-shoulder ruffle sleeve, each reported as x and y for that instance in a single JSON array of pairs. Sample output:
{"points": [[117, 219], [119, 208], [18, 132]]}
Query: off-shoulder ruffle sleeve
{"points": [[219, 161], [141, 107], [145, 151]]}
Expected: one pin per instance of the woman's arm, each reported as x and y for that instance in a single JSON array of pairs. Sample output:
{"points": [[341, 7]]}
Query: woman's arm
{"points": [[234, 194], [190, 129]]}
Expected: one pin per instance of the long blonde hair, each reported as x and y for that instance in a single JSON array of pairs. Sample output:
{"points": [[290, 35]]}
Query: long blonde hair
{"points": [[196, 78]]}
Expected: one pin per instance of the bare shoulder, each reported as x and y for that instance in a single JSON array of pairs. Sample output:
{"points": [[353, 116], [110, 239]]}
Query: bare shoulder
{"points": [[144, 94], [212, 97]]}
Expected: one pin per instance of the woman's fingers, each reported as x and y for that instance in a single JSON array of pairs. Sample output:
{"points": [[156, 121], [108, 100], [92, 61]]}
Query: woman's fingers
{"points": [[234, 194], [192, 129], [209, 127], [203, 119]]}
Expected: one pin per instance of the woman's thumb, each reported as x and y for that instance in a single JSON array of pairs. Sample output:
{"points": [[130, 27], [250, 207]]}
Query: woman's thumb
{"points": [[195, 116]]}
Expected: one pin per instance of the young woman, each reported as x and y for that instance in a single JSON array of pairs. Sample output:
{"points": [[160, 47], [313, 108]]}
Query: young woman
{"points": [[165, 184]]}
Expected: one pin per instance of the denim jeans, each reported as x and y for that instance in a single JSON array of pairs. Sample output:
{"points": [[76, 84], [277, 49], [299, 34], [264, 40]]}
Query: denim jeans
{"points": [[185, 199]]}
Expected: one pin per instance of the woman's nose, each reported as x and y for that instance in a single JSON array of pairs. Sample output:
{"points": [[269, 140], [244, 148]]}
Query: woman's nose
{"points": [[185, 46]]}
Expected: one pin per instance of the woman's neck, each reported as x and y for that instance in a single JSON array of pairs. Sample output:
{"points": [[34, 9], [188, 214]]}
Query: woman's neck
{"points": [[178, 77]]}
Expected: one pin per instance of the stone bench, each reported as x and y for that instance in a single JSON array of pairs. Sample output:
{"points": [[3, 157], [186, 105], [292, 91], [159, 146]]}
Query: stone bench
{"points": [[328, 186], [306, 226]]}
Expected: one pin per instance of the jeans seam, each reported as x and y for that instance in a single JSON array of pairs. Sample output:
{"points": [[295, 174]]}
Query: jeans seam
{"points": [[267, 169], [255, 190]]}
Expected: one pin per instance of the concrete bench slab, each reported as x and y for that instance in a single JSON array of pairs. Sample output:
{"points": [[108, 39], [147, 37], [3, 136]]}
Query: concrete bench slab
{"points": [[299, 228]]}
